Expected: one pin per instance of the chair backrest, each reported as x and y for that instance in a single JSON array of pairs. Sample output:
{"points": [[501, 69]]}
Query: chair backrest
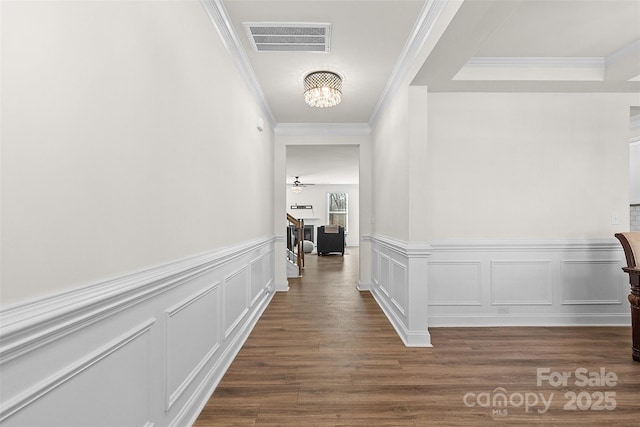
{"points": [[331, 229], [630, 242]]}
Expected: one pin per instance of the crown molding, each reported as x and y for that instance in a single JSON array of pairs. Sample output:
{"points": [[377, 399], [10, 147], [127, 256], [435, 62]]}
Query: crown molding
{"points": [[631, 48], [527, 61], [421, 30], [526, 68], [220, 20], [323, 129]]}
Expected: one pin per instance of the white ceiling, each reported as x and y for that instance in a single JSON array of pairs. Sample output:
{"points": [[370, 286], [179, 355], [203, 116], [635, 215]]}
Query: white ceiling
{"points": [[366, 40], [538, 46], [490, 45], [323, 164]]}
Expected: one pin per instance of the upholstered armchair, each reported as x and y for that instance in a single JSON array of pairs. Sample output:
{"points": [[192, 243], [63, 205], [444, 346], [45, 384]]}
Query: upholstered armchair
{"points": [[330, 239]]}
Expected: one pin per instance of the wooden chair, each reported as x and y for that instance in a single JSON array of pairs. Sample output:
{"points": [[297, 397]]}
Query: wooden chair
{"points": [[631, 244]]}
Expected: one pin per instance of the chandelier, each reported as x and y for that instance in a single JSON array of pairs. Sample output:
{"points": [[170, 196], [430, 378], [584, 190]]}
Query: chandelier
{"points": [[322, 89]]}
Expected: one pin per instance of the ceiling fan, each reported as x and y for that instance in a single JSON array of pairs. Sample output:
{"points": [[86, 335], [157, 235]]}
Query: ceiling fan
{"points": [[297, 185]]}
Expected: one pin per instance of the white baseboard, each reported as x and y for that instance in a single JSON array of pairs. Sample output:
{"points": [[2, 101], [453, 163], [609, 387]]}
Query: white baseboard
{"points": [[409, 338], [282, 287], [534, 320], [363, 287], [169, 333]]}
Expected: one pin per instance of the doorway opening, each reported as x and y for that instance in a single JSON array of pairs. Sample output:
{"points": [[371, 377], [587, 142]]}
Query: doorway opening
{"points": [[323, 188]]}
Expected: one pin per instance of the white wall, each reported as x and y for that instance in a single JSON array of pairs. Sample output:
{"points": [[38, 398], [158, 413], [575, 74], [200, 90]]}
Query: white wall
{"points": [[390, 170], [316, 196], [127, 139], [398, 249], [137, 201], [527, 165], [522, 192], [525, 191]]}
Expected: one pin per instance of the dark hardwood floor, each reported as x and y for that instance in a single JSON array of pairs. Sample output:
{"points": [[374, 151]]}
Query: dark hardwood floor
{"points": [[324, 354]]}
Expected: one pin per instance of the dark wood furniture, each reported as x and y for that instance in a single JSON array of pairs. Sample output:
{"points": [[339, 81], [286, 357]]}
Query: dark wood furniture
{"points": [[631, 244]]}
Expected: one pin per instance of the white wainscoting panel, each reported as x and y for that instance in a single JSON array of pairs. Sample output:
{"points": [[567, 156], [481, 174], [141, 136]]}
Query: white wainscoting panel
{"points": [[463, 282], [257, 287], [375, 268], [527, 283], [399, 290], [123, 362], [186, 356], [235, 288], [521, 282], [399, 286], [592, 282], [385, 274], [146, 349]]}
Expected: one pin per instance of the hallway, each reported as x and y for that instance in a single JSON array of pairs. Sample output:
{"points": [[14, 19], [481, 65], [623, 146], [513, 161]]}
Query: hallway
{"points": [[324, 354]]}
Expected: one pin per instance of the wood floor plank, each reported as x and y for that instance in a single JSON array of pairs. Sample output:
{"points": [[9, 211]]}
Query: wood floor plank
{"points": [[324, 354]]}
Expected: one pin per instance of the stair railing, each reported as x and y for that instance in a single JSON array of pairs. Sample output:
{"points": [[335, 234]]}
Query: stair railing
{"points": [[294, 241]]}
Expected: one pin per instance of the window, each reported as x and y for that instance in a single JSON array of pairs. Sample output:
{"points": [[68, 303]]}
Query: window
{"points": [[339, 209]]}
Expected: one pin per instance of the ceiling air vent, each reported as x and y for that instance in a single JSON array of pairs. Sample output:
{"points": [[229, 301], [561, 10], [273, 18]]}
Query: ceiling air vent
{"points": [[289, 37]]}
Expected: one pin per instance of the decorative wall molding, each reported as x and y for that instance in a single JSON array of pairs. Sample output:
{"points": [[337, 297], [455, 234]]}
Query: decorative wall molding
{"points": [[553, 62], [384, 277], [398, 276], [25, 327], [399, 290], [256, 272], [323, 129], [173, 395], [164, 378], [421, 250], [46, 386], [521, 282], [519, 245], [533, 68], [601, 271], [528, 319], [527, 283], [197, 400], [235, 288], [630, 49], [464, 280]]}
